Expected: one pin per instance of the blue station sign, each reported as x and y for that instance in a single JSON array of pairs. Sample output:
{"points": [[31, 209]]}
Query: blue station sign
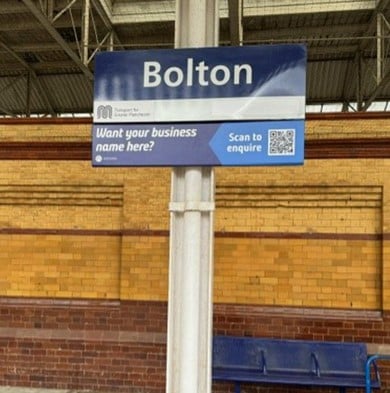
{"points": [[204, 106]]}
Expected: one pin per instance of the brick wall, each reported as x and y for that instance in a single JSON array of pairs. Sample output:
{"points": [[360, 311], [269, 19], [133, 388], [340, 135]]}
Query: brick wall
{"points": [[300, 252], [103, 345], [120, 346], [72, 231]]}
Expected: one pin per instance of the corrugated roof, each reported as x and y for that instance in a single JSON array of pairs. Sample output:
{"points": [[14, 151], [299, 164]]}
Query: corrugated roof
{"points": [[43, 70]]}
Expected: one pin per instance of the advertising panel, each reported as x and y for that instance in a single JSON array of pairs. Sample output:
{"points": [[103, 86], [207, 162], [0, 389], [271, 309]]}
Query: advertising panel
{"points": [[202, 106]]}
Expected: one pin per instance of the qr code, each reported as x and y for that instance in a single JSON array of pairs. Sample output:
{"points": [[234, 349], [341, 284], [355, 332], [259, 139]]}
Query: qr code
{"points": [[281, 142]]}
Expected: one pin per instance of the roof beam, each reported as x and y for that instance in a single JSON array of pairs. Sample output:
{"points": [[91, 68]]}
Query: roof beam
{"points": [[289, 7], [103, 12], [235, 22], [379, 6], [106, 16], [38, 47], [57, 37], [382, 5], [385, 80], [372, 24], [142, 11], [308, 33], [106, 7], [24, 25]]}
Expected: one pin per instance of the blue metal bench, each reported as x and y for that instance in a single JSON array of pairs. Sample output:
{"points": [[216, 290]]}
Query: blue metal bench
{"points": [[295, 362]]}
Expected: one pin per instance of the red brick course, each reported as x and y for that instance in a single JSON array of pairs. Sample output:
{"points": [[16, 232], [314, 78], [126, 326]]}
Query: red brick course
{"points": [[120, 346]]}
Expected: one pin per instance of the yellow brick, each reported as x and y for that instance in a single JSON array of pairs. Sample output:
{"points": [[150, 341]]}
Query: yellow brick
{"points": [[293, 271]]}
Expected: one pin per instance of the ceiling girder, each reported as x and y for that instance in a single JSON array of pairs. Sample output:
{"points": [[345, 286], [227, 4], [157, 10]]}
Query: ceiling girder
{"points": [[309, 34], [283, 7], [382, 5], [53, 18], [385, 80], [102, 10], [125, 11], [147, 23], [378, 22], [57, 37], [356, 63], [235, 22]]}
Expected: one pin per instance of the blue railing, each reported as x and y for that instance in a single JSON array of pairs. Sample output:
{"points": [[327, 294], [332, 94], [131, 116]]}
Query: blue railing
{"points": [[372, 361]]}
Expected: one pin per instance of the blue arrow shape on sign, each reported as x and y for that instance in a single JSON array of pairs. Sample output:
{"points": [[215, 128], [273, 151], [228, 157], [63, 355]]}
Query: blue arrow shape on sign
{"points": [[259, 143]]}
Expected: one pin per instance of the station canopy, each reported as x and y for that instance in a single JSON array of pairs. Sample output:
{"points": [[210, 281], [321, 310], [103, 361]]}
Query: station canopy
{"points": [[48, 47]]}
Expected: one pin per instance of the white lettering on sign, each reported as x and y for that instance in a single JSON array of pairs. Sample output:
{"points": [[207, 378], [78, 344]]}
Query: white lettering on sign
{"points": [[200, 74]]}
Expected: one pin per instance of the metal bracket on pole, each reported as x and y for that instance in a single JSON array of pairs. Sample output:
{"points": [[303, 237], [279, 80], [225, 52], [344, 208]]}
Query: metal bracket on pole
{"points": [[191, 206]]}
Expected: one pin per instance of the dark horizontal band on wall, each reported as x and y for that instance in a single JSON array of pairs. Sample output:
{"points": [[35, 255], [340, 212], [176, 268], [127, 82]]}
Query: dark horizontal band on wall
{"points": [[314, 149], [89, 120], [80, 151], [127, 306], [218, 234], [83, 335], [305, 235], [348, 148]]}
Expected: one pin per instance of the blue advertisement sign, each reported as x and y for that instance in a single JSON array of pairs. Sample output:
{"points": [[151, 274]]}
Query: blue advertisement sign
{"points": [[201, 84], [197, 144], [233, 106]]}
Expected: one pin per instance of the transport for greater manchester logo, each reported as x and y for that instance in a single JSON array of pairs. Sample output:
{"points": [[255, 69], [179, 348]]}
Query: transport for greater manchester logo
{"points": [[104, 112]]}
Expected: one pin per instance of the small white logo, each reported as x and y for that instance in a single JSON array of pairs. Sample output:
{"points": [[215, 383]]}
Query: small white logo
{"points": [[104, 112]]}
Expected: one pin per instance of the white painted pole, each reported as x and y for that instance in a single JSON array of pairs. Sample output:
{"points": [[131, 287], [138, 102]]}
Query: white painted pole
{"points": [[191, 240]]}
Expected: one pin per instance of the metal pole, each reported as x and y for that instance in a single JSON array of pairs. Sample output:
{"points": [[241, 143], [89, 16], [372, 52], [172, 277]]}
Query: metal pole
{"points": [[379, 48], [85, 32], [359, 81], [191, 242], [28, 95], [235, 21], [49, 9], [110, 46]]}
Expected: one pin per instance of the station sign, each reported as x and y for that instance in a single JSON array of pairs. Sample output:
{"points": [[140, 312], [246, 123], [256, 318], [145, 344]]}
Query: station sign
{"points": [[203, 106]]}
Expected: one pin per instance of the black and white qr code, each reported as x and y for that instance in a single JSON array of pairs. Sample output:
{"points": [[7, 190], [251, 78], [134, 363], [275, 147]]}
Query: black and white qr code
{"points": [[281, 142]]}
